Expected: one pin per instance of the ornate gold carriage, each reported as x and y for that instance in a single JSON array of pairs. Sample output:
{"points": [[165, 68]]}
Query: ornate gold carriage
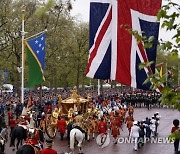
{"points": [[67, 108]]}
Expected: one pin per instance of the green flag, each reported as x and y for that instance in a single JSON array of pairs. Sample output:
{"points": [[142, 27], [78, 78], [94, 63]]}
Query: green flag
{"points": [[36, 60]]}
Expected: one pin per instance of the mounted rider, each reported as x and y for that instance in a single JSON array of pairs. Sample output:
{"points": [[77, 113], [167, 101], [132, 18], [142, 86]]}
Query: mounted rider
{"points": [[34, 139]]}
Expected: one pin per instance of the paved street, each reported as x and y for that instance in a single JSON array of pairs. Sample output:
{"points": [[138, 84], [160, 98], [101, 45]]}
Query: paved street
{"points": [[167, 116]]}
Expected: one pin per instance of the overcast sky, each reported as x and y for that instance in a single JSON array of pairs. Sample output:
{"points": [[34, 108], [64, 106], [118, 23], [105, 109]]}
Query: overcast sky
{"points": [[81, 9]]}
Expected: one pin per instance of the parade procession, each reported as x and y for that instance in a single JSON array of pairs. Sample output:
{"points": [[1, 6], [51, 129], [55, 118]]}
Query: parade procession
{"points": [[110, 84]]}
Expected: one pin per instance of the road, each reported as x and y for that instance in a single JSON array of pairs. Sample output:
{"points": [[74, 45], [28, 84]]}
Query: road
{"points": [[167, 116]]}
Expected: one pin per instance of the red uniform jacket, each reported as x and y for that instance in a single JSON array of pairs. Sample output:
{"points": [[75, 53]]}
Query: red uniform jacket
{"points": [[31, 141], [129, 118], [12, 123], [115, 127], [102, 127], [10, 114], [61, 124], [48, 151], [27, 118]]}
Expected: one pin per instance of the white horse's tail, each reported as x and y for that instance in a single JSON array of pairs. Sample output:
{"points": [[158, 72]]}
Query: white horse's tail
{"points": [[72, 139]]}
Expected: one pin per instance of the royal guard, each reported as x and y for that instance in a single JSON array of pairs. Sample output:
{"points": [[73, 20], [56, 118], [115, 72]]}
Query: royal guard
{"points": [[102, 127], [123, 112], [131, 110], [103, 138], [32, 140], [12, 124], [129, 121], [48, 149], [61, 125], [120, 118], [115, 128]]}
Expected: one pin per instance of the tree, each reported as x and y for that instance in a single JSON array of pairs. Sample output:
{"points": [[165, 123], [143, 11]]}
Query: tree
{"points": [[170, 49]]}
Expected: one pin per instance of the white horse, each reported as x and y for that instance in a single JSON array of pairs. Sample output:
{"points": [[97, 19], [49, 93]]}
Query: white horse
{"points": [[76, 135]]}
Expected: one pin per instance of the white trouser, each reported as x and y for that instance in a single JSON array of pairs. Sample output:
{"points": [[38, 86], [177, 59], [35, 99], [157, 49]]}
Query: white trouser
{"points": [[135, 140]]}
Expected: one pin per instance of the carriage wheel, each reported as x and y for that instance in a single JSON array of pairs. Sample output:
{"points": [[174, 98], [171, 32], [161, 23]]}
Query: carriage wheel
{"points": [[50, 129]]}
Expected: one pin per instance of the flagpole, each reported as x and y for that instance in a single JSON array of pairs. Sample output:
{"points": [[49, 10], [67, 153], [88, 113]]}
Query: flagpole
{"points": [[178, 74], [23, 8], [98, 87]]}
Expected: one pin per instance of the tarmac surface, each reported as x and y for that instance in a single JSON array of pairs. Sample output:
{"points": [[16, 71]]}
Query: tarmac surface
{"points": [[156, 146]]}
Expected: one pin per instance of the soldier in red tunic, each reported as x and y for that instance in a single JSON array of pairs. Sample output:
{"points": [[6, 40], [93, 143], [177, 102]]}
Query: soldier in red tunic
{"points": [[32, 139], [129, 121], [61, 125], [131, 109], [123, 112], [115, 128], [102, 126], [49, 149], [12, 124]]}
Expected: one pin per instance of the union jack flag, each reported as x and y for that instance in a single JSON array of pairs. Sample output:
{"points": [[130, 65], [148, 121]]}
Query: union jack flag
{"points": [[114, 53]]}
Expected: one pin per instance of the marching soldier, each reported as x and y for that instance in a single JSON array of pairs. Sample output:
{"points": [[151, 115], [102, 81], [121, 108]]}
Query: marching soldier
{"points": [[102, 126], [103, 135], [129, 121], [115, 128], [123, 112], [12, 124], [131, 110]]}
